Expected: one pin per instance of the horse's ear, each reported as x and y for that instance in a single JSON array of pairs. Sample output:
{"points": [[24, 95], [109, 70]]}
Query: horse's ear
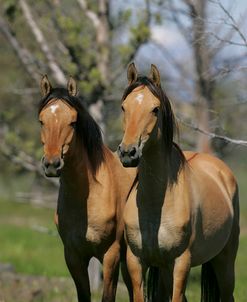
{"points": [[132, 73], [154, 75], [72, 86], [45, 86]]}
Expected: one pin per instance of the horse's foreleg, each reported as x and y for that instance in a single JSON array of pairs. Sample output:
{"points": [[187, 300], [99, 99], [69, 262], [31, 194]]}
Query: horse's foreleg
{"points": [[111, 263], [127, 279], [78, 270], [56, 218], [180, 275], [137, 274]]}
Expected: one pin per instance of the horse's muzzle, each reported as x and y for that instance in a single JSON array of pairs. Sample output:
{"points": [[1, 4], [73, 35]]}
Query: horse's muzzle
{"points": [[129, 156], [52, 167]]}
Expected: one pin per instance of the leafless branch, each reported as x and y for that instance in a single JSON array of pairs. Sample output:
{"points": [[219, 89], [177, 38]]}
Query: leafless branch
{"points": [[23, 160], [22, 53], [213, 135], [182, 29], [183, 73], [57, 72], [225, 71], [225, 41], [23, 91], [89, 13], [228, 37], [233, 23]]}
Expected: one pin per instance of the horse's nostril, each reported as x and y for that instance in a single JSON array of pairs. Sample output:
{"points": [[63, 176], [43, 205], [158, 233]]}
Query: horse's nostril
{"points": [[56, 163], [120, 151], [132, 152], [45, 162]]}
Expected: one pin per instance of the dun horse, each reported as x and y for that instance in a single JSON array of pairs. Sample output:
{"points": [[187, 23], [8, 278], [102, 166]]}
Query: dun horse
{"points": [[183, 211], [93, 188]]}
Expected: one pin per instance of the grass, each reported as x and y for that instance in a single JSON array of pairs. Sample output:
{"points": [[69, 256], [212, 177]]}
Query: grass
{"points": [[35, 253], [193, 288], [29, 251]]}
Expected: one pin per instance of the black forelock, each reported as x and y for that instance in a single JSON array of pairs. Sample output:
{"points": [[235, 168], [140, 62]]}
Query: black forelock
{"points": [[60, 93]]}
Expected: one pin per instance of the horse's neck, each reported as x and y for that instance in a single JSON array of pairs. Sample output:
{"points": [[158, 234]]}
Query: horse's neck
{"points": [[155, 173], [77, 177], [153, 165]]}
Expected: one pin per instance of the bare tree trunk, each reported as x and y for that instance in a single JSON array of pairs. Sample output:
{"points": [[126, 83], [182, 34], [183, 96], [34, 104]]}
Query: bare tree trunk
{"points": [[103, 41], [101, 23], [103, 45], [202, 63]]}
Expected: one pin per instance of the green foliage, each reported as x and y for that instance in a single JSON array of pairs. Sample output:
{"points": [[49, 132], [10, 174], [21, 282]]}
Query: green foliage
{"points": [[10, 9], [93, 81], [125, 15], [158, 18], [125, 51], [122, 18], [140, 33]]}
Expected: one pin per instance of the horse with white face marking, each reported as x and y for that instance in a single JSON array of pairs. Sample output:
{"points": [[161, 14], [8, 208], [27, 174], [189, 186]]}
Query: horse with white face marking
{"points": [[93, 189], [183, 210]]}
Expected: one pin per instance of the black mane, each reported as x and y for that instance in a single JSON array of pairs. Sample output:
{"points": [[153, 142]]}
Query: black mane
{"points": [[86, 128], [169, 127]]}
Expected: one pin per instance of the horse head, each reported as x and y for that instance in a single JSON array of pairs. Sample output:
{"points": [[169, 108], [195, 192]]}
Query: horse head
{"points": [[58, 120], [147, 115]]}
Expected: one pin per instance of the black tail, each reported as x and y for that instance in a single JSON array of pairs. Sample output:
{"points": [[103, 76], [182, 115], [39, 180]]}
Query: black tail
{"points": [[152, 284], [209, 285]]}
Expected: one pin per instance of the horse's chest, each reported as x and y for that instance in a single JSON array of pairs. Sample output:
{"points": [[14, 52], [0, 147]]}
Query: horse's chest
{"points": [[99, 230], [151, 236], [92, 228]]}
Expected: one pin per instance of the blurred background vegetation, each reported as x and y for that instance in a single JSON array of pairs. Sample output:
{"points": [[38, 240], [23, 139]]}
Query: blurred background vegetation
{"points": [[200, 47]]}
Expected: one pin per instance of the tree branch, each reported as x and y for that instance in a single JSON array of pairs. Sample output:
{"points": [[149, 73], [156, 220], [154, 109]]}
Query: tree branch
{"points": [[180, 66], [174, 13], [131, 56], [57, 72], [213, 135], [89, 13], [21, 158], [233, 23], [22, 53]]}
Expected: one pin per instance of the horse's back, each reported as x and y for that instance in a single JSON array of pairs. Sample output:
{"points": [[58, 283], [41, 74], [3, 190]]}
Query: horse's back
{"points": [[210, 168], [213, 187]]}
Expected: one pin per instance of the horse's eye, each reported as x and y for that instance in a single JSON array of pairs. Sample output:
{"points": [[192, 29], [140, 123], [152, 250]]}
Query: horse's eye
{"points": [[41, 123], [73, 124], [122, 107], [155, 110]]}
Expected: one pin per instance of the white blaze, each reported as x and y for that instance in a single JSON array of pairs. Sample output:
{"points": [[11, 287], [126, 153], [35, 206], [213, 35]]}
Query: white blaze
{"points": [[54, 108], [139, 98]]}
